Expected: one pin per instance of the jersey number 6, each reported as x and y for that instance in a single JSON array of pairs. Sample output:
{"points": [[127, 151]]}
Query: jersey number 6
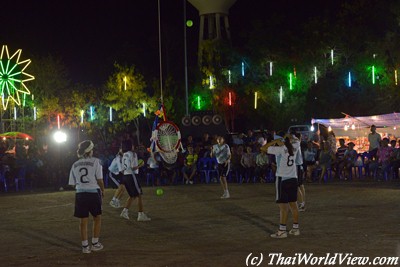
{"points": [[290, 160]]}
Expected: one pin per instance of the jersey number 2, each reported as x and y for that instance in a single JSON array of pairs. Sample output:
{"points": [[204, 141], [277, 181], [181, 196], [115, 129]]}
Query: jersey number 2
{"points": [[84, 173]]}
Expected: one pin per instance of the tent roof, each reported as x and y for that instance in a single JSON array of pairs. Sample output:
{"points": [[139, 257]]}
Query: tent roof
{"points": [[380, 121]]}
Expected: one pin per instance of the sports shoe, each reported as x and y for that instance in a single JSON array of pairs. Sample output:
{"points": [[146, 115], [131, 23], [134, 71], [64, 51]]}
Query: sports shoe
{"points": [[96, 247], [117, 203], [279, 234], [124, 214], [113, 204], [294, 231], [142, 217], [302, 207], [86, 249], [225, 195], [190, 182]]}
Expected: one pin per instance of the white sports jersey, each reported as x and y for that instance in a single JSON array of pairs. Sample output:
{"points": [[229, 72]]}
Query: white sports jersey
{"points": [[130, 161], [286, 165], [299, 157], [222, 153], [116, 165], [85, 172]]}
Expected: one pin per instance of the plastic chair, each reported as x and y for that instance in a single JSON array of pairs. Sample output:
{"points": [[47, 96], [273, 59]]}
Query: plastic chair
{"points": [[206, 167], [3, 178], [212, 168], [20, 179], [202, 169]]}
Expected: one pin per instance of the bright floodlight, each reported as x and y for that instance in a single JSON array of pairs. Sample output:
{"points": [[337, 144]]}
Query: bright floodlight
{"points": [[60, 137]]}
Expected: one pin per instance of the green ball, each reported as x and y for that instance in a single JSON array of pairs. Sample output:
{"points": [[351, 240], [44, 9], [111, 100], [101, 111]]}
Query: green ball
{"points": [[189, 23], [159, 192]]}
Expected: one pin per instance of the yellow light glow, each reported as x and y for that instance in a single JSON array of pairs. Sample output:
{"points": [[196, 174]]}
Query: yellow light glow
{"points": [[330, 128], [82, 116], [255, 100], [211, 82]]}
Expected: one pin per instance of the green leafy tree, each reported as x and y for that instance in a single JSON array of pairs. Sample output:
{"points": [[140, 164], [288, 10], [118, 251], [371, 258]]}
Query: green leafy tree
{"points": [[125, 94]]}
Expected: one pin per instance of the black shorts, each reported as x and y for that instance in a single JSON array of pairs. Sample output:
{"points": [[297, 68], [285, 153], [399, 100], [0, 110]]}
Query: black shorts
{"points": [[224, 170], [132, 185], [116, 178], [86, 203], [286, 190]]}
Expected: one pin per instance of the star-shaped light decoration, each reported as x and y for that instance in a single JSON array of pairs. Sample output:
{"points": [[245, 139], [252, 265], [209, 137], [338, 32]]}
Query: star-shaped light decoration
{"points": [[13, 77]]}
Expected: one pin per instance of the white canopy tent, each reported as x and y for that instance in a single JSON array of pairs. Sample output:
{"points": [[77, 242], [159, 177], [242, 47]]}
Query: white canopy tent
{"points": [[358, 128]]}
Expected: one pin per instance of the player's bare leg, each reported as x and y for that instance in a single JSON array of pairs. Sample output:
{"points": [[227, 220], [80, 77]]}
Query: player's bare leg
{"points": [[295, 211], [120, 191], [283, 214], [96, 226], [83, 228], [140, 203], [224, 185]]}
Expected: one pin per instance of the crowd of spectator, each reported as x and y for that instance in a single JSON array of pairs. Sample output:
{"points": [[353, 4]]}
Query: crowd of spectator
{"points": [[44, 166]]}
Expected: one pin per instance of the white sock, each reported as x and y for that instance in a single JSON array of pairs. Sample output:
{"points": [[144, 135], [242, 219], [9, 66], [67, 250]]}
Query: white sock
{"points": [[125, 210], [95, 240], [114, 198], [85, 243]]}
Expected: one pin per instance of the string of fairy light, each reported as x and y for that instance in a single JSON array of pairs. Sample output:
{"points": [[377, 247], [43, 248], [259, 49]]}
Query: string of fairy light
{"points": [[13, 78], [292, 78]]}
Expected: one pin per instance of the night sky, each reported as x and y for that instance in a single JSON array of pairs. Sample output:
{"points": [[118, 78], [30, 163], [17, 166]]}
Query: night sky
{"points": [[90, 36]]}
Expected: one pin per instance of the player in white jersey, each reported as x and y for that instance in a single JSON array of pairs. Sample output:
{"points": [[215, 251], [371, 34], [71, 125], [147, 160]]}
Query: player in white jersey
{"points": [[286, 182], [301, 191], [116, 174], [132, 185], [222, 153], [87, 176]]}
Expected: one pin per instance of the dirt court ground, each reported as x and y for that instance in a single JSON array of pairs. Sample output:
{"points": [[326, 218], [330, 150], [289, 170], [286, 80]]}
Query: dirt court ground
{"points": [[192, 226]]}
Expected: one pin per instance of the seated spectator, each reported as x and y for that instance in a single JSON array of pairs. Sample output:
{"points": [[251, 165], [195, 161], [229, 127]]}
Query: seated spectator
{"points": [[238, 140], [189, 142], [395, 159], [331, 139], [248, 163], [153, 165], [189, 167], [340, 163], [168, 171], [236, 157], [326, 157], [262, 166], [383, 154], [205, 145], [349, 159], [310, 158], [250, 139]]}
